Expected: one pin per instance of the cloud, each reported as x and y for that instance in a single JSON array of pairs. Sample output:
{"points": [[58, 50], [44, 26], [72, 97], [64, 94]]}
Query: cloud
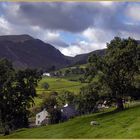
{"points": [[7, 28], [55, 39], [96, 23], [54, 16], [97, 35], [71, 17], [81, 47], [4, 26]]}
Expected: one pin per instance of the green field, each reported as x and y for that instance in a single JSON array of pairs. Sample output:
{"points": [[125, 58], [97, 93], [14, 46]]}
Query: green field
{"points": [[124, 124], [59, 84]]}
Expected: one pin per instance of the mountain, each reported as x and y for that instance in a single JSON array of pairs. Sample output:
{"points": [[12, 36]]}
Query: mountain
{"points": [[25, 51], [82, 58], [15, 38]]}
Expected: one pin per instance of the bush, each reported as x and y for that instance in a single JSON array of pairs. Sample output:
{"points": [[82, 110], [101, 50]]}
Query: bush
{"points": [[45, 85]]}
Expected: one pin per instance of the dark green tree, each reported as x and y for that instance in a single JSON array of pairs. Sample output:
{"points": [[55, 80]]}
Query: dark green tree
{"points": [[45, 85], [118, 68], [6, 78], [67, 72], [87, 99], [17, 90], [65, 97], [51, 105], [24, 90]]}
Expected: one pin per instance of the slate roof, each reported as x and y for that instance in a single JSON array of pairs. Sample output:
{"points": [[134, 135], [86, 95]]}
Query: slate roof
{"points": [[68, 112]]}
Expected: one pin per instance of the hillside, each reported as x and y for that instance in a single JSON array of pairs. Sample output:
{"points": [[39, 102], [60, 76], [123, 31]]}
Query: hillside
{"points": [[125, 124], [16, 38], [82, 58], [25, 51]]}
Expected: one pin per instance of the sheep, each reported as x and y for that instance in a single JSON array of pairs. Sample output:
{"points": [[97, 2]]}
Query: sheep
{"points": [[94, 123]]}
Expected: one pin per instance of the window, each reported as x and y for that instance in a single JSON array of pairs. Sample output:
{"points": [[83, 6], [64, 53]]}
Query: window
{"points": [[38, 116], [38, 122]]}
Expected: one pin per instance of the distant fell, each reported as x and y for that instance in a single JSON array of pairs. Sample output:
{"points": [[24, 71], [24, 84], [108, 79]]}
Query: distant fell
{"points": [[82, 58]]}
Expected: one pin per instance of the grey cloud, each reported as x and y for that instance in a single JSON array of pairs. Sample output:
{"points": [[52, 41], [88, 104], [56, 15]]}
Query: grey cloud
{"points": [[58, 43], [72, 17], [58, 16]]}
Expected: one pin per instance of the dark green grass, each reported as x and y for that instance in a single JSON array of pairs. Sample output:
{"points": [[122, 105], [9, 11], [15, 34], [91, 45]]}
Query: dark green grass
{"points": [[124, 124]]}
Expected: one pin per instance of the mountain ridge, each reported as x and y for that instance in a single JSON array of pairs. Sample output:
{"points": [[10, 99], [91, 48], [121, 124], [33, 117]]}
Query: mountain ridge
{"points": [[25, 51]]}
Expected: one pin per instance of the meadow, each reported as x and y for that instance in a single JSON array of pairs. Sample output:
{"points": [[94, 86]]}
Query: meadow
{"points": [[59, 84]]}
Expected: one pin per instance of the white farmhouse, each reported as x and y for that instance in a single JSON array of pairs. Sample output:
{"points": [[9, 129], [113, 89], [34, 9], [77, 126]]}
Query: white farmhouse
{"points": [[46, 74], [41, 116]]}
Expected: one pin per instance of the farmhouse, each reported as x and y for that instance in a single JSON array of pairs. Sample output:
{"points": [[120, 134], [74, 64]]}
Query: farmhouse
{"points": [[67, 112], [41, 117], [46, 74]]}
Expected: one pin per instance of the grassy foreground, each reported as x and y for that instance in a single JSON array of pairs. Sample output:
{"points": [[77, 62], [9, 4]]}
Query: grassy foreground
{"points": [[124, 124]]}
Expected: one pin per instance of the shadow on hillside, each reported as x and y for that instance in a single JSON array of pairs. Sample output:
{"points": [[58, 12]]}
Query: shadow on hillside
{"points": [[116, 111], [20, 130], [108, 113]]}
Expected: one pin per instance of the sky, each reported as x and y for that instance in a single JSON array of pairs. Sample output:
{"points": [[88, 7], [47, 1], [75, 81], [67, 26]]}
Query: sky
{"points": [[72, 27]]}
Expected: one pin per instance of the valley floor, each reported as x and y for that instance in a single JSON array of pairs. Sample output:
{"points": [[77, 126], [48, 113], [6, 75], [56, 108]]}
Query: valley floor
{"points": [[124, 124]]}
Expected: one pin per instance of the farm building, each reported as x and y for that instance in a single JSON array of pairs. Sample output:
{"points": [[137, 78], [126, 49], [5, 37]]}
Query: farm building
{"points": [[41, 117], [67, 112], [46, 74]]}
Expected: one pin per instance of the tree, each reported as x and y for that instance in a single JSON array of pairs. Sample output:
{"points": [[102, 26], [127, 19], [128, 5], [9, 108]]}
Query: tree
{"points": [[17, 90], [45, 85], [117, 68], [50, 103], [66, 97], [81, 79], [67, 72], [6, 78], [24, 90], [87, 98]]}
